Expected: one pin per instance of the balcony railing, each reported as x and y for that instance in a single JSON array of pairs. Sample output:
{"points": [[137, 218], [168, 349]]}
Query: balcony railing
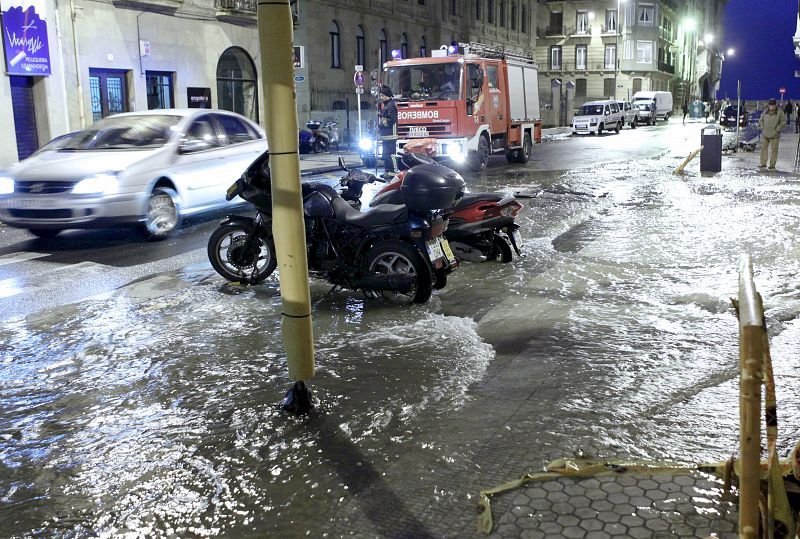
{"points": [[551, 31], [610, 29], [666, 68], [241, 12], [573, 67]]}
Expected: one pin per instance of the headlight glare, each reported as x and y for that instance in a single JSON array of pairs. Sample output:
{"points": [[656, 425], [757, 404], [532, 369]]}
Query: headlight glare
{"points": [[99, 184], [6, 185], [366, 144]]}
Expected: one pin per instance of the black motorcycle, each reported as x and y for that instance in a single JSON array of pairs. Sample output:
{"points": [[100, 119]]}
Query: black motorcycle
{"points": [[396, 251]]}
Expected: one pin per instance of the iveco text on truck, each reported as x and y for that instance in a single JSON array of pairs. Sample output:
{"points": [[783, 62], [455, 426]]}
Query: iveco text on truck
{"points": [[472, 101]]}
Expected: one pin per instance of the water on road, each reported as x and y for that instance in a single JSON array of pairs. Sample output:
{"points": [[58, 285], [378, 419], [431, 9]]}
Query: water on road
{"points": [[152, 410]]}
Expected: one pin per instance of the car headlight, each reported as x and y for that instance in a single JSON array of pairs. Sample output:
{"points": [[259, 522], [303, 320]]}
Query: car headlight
{"points": [[593, 121], [6, 185], [453, 151], [105, 184], [366, 144]]}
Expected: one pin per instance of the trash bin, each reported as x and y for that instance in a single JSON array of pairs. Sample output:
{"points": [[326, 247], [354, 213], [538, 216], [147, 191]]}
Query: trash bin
{"points": [[711, 155]]}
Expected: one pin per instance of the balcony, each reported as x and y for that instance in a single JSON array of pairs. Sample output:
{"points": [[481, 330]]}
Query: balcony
{"points": [[573, 31], [160, 6], [571, 67], [666, 68], [666, 34], [551, 31], [241, 12], [610, 30]]}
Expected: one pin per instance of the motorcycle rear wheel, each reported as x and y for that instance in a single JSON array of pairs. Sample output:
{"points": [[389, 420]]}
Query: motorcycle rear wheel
{"points": [[227, 256], [398, 257], [500, 250]]}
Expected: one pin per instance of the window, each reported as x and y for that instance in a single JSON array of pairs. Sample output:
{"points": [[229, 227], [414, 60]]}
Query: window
{"points": [[555, 57], [234, 129], [582, 22], [478, 10], [637, 85], [608, 87], [611, 20], [524, 21], [361, 56], [513, 22], [490, 7], [453, 7], [580, 56], [336, 56], [491, 74], [502, 15], [556, 27], [645, 15], [628, 44], [580, 87], [610, 57], [384, 47], [108, 89], [644, 52], [423, 47], [203, 129], [403, 46], [159, 90]]}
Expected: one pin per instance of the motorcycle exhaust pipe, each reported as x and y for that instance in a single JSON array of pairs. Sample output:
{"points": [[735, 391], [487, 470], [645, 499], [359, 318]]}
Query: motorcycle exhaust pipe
{"points": [[391, 283]]}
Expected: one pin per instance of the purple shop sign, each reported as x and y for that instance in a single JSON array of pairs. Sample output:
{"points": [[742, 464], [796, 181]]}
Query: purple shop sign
{"points": [[25, 37]]}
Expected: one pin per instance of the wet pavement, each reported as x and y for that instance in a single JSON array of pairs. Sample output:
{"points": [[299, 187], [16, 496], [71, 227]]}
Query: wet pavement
{"points": [[151, 410]]}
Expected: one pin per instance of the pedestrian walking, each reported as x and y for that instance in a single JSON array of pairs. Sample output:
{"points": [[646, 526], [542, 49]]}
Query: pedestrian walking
{"points": [[387, 128], [685, 111], [771, 123], [787, 109]]}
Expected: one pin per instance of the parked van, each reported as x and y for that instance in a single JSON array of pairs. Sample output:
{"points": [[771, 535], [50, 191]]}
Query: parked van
{"points": [[653, 106], [630, 114], [596, 116]]}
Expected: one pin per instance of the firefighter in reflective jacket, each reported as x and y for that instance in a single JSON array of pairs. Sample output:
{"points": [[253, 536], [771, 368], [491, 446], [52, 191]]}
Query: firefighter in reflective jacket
{"points": [[387, 128]]}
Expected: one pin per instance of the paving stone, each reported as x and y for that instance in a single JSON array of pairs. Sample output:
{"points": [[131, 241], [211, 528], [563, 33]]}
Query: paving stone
{"points": [[508, 530], [597, 535], [568, 520], [640, 533], [602, 505], [655, 494], [558, 497], [565, 508], [624, 509], [657, 525], [591, 524], [595, 494], [536, 492], [580, 501], [574, 533], [684, 480], [618, 498], [616, 529], [546, 516], [521, 511], [586, 513], [590, 483], [528, 523], [551, 527], [641, 501], [626, 480], [532, 534], [521, 499], [648, 484], [540, 504], [664, 505], [576, 489], [633, 490], [632, 521], [611, 488], [553, 486], [609, 516]]}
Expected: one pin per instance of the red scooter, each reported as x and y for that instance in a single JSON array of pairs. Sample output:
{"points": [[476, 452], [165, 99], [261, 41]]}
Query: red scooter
{"points": [[481, 226]]}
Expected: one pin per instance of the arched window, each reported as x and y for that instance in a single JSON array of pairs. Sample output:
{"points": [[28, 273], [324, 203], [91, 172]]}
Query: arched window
{"points": [[423, 47], [336, 53], [524, 20], [403, 46], [490, 10], [478, 10], [513, 22], [384, 47], [502, 15], [237, 84], [361, 56]]}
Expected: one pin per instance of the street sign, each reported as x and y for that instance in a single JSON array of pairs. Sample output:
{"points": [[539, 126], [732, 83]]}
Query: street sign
{"points": [[360, 90], [782, 90], [299, 78], [358, 79]]}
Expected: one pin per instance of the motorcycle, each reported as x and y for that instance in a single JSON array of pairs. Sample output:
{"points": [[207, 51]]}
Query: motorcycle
{"points": [[305, 141], [395, 251], [481, 226], [323, 137]]}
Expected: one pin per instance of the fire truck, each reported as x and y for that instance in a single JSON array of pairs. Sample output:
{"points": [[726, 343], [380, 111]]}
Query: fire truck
{"points": [[470, 100]]}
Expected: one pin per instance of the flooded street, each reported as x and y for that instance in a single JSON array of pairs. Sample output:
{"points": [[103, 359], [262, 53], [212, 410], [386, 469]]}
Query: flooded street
{"points": [[152, 410]]}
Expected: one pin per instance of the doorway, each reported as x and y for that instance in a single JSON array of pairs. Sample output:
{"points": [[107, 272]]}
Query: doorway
{"points": [[237, 84], [109, 92], [24, 115]]}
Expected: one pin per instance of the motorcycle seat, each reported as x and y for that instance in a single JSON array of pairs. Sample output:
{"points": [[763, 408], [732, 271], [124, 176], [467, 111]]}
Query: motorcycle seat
{"points": [[471, 198], [384, 214]]}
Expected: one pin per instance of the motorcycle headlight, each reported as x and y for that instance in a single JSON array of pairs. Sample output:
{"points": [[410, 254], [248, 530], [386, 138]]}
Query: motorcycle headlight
{"points": [[366, 144], [453, 151], [99, 184], [6, 185]]}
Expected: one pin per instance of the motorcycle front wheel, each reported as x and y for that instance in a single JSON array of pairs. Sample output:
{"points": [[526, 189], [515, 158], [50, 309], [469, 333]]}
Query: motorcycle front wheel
{"points": [[228, 256], [398, 257]]}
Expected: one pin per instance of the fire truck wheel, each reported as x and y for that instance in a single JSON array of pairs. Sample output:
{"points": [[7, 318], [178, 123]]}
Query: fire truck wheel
{"points": [[482, 156], [521, 155]]}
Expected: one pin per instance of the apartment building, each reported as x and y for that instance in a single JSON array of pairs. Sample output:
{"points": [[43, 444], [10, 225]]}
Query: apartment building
{"points": [[615, 48]]}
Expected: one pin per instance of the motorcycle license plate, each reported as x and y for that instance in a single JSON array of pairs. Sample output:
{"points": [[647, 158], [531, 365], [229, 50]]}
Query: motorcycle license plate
{"points": [[440, 248]]}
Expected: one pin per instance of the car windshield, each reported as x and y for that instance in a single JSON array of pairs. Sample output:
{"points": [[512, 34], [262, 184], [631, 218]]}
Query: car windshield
{"points": [[590, 110], [125, 133], [731, 110], [440, 81]]}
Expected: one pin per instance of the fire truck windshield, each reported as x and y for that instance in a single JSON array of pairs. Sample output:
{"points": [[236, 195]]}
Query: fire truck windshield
{"points": [[439, 81]]}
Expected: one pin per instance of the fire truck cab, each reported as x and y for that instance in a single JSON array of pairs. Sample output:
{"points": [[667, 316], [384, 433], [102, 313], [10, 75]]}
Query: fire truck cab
{"points": [[472, 101]]}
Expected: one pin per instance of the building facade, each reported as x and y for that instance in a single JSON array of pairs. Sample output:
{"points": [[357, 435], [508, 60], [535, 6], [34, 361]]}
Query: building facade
{"points": [[615, 48], [110, 56]]}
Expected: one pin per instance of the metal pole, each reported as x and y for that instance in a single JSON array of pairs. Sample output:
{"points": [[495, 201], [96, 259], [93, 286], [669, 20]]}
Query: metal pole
{"points": [[616, 51], [738, 111], [289, 232], [358, 98]]}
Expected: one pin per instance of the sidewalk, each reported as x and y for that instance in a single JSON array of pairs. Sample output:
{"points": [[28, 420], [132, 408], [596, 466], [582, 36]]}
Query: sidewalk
{"points": [[786, 152]]}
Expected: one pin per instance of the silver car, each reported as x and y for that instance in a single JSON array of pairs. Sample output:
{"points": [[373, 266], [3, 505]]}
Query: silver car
{"points": [[147, 168]]}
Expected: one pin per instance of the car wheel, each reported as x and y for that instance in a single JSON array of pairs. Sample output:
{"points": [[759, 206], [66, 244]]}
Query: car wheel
{"points": [[45, 233], [162, 216], [617, 129], [600, 128], [633, 124]]}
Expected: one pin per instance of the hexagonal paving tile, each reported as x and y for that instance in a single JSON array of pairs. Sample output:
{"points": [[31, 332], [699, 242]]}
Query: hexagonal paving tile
{"points": [[535, 492], [574, 533], [564, 508], [632, 521], [586, 513], [591, 524], [633, 490], [532, 534], [602, 505], [596, 494], [558, 497], [624, 509], [657, 525], [568, 520], [597, 535], [616, 529], [553, 486], [655, 494], [611, 487], [647, 484], [540, 504]]}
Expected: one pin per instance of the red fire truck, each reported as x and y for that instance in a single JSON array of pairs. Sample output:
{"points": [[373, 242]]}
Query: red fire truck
{"points": [[472, 100]]}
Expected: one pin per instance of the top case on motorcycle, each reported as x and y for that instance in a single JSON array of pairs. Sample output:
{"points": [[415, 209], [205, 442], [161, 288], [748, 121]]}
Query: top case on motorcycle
{"points": [[385, 214]]}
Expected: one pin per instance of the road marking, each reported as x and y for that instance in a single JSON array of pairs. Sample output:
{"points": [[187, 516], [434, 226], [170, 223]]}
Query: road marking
{"points": [[13, 258]]}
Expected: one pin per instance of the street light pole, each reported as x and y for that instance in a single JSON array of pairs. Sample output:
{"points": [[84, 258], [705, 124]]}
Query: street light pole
{"points": [[616, 48]]}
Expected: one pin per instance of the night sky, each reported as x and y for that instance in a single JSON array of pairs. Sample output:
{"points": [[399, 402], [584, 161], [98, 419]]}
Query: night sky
{"points": [[761, 31]]}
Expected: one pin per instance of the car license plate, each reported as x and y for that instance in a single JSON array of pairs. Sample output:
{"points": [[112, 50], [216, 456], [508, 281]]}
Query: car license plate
{"points": [[28, 203]]}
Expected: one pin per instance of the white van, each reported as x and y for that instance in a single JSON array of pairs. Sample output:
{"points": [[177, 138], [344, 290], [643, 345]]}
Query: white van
{"points": [[596, 116], [653, 106]]}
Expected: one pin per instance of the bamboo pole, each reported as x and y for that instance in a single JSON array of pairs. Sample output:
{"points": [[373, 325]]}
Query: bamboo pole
{"points": [[280, 106], [751, 350]]}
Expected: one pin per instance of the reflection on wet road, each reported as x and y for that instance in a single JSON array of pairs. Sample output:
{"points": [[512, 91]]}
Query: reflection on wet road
{"points": [[151, 411]]}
